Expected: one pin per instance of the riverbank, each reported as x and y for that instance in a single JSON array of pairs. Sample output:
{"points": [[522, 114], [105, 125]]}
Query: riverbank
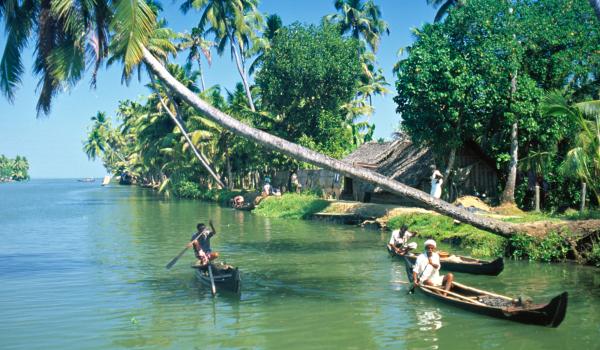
{"points": [[554, 245]]}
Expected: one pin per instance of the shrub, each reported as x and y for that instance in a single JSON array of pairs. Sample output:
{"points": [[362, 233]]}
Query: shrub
{"points": [[553, 247]]}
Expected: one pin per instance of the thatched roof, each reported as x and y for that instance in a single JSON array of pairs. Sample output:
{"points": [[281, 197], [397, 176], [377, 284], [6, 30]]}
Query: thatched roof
{"points": [[399, 160]]}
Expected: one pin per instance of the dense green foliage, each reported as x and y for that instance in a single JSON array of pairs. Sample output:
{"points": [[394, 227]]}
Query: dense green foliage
{"points": [[306, 76], [291, 206], [13, 169], [455, 84], [192, 190], [441, 228], [553, 247]]}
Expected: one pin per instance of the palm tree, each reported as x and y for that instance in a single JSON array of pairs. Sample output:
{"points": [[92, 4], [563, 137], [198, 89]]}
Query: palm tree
{"points": [[443, 7], [132, 25], [362, 20], [199, 47], [233, 23], [261, 45], [583, 159]]}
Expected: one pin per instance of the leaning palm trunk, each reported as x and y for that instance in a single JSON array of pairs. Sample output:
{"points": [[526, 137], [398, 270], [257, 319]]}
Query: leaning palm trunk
{"points": [[177, 120], [303, 154], [242, 72]]}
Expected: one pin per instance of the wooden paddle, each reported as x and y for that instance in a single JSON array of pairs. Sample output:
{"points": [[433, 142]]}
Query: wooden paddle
{"points": [[174, 260], [213, 289]]}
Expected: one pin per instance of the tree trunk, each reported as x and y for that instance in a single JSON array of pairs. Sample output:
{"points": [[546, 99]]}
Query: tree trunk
{"points": [[450, 165], [179, 123], [508, 195], [229, 175], [242, 74], [202, 86], [303, 154], [596, 5]]}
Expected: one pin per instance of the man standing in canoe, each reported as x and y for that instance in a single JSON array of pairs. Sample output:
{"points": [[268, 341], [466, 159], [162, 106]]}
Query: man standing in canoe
{"points": [[201, 243], [427, 268]]}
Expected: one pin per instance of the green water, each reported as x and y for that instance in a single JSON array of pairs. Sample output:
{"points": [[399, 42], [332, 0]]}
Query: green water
{"points": [[82, 267]]}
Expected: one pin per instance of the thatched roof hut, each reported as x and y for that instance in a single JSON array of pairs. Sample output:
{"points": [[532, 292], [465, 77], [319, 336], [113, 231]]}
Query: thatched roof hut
{"points": [[405, 162]]}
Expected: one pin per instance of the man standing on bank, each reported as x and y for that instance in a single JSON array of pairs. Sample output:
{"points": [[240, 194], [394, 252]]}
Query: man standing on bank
{"points": [[427, 268]]}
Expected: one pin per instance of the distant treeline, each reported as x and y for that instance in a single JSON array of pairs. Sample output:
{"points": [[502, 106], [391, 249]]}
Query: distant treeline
{"points": [[13, 169]]}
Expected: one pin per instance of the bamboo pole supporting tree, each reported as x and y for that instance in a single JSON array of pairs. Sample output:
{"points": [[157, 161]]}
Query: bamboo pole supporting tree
{"points": [[583, 195], [303, 154]]}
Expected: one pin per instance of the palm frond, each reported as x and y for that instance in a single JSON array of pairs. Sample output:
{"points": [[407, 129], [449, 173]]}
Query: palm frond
{"points": [[133, 24]]}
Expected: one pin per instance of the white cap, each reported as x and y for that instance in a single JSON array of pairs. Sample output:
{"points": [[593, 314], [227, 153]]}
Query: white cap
{"points": [[412, 245], [430, 242]]}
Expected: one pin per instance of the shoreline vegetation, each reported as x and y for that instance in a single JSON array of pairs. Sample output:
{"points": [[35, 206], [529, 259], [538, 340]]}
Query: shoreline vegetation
{"points": [[13, 169], [552, 247], [487, 75]]}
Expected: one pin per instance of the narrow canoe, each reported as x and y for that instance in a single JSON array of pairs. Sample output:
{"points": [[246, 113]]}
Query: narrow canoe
{"points": [[226, 277], [459, 263], [499, 306]]}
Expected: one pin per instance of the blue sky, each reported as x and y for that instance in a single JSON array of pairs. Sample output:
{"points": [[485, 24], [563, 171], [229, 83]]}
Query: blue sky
{"points": [[53, 144]]}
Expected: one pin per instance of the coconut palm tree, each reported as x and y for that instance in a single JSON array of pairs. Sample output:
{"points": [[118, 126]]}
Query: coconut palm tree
{"points": [[262, 44], [132, 24], [362, 20], [198, 47], [583, 158], [443, 7], [233, 23]]}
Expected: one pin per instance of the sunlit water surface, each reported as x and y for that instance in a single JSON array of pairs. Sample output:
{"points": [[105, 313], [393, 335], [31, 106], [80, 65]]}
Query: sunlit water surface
{"points": [[83, 267]]}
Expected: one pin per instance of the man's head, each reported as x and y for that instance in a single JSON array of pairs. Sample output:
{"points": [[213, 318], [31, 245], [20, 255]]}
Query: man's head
{"points": [[432, 167], [430, 246], [200, 227], [404, 228]]}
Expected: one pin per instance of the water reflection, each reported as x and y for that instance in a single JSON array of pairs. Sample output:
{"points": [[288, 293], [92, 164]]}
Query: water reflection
{"points": [[429, 320]]}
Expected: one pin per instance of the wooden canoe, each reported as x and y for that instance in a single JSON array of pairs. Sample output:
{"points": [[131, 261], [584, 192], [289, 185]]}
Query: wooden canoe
{"points": [[499, 306], [461, 263], [226, 277]]}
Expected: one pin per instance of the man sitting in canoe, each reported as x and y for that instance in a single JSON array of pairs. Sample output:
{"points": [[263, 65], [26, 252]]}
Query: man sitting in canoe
{"points": [[427, 268], [399, 240], [201, 243]]}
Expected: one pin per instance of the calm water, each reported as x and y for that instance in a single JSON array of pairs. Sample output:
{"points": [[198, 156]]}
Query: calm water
{"points": [[82, 267]]}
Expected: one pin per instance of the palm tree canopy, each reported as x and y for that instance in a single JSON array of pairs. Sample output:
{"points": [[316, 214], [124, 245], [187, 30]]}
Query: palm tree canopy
{"points": [[361, 20]]}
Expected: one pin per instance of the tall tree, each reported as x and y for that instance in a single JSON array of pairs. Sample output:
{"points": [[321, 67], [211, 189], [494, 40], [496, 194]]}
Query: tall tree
{"points": [[443, 7], [198, 47], [362, 20], [233, 23], [132, 25], [459, 81]]}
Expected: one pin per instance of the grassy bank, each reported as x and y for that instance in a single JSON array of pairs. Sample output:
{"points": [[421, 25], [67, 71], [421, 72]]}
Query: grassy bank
{"points": [[291, 206], [477, 242]]}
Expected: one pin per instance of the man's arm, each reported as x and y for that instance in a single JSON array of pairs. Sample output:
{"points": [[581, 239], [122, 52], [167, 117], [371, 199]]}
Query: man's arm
{"points": [[435, 266], [212, 228], [415, 279]]}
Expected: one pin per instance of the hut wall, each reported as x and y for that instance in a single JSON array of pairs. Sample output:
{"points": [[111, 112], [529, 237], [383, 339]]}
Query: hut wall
{"points": [[483, 177], [319, 180]]}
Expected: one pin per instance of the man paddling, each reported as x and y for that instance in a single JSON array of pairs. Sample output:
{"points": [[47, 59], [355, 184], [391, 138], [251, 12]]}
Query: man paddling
{"points": [[201, 243], [427, 268], [399, 240]]}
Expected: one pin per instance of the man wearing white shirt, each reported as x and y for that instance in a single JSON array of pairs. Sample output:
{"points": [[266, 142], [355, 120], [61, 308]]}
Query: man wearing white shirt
{"points": [[437, 179], [427, 268]]}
